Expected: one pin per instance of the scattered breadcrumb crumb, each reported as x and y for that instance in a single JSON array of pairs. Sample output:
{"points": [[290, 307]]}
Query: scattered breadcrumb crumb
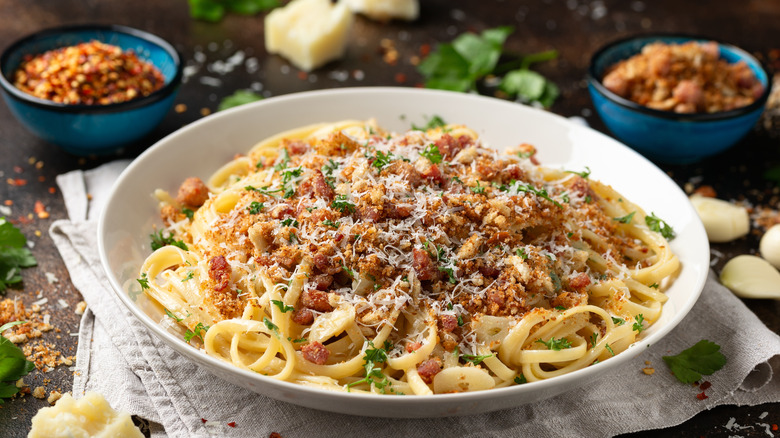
{"points": [[53, 397], [39, 392], [649, 371]]}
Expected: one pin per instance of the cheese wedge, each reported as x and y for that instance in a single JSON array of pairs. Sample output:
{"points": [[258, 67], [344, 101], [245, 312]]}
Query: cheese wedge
{"points": [[384, 10], [309, 33]]}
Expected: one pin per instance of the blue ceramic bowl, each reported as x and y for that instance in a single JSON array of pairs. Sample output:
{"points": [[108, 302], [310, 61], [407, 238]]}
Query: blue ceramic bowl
{"points": [[667, 136], [92, 129]]}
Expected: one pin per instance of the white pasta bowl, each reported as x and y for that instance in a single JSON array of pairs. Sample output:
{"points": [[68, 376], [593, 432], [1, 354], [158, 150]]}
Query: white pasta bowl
{"points": [[202, 147]]}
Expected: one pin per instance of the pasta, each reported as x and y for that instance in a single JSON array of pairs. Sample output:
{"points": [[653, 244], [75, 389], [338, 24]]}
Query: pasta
{"points": [[344, 257]]}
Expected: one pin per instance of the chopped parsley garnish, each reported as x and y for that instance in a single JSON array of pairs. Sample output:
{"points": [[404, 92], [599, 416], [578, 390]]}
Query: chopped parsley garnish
{"points": [[556, 344], [255, 207], [585, 173], [188, 212], [521, 253], [433, 122], [342, 204], [526, 154], [565, 197], [474, 359], [456, 179], [293, 237], [196, 332], [593, 339], [271, 326], [431, 152], [703, 358], [382, 159], [264, 190], [542, 193], [13, 364], [172, 316], [240, 97], [556, 280], [659, 226], [349, 272], [158, 241], [609, 349], [283, 307], [190, 275], [285, 159], [460, 320], [654, 286], [143, 281], [296, 341], [290, 222], [588, 199], [618, 321], [328, 168], [374, 375], [478, 189], [330, 223], [625, 219], [637, 327], [560, 308], [520, 379]]}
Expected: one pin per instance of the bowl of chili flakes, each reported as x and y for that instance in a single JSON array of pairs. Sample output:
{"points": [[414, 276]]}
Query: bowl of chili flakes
{"points": [[90, 89], [675, 98]]}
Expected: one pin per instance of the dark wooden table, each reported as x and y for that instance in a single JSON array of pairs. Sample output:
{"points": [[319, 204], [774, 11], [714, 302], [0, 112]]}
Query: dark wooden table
{"points": [[574, 27]]}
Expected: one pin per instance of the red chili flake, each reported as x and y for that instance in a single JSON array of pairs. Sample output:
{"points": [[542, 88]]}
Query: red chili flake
{"points": [[8, 202], [339, 237], [232, 424], [702, 396], [16, 181], [705, 385], [774, 427], [52, 190], [40, 210], [302, 75], [400, 78], [203, 420], [425, 49], [275, 435]]}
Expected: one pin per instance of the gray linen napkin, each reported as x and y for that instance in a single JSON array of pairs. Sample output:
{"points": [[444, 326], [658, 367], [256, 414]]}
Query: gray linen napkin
{"points": [[136, 372]]}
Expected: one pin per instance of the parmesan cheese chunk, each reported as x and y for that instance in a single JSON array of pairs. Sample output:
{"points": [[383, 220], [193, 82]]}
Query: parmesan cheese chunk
{"points": [[383, 10], [90, 416], [309, 33]]}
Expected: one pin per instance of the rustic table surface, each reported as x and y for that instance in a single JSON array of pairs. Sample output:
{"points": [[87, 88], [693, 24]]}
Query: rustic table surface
{"points": [[576, 28]]}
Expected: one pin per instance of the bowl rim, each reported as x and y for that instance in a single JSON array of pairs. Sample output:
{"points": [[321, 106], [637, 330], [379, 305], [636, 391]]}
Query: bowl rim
{"points": [[157, 95], [592, 78]]}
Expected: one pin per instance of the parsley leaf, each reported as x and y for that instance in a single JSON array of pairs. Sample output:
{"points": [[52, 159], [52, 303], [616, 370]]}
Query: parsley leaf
{"points": [[593, 339], [255, 207], [584, 174], [264, 190], [190, 276], [431, 152], [283, 307], [609, 349], [214, 10], [14, 254], [703, 358], [374, 374], [159, 240], [625, 219], [13, 364], [521, 253], [143, 281], [556, 344], [342, 204], [172, 316], [188, 212], [478, 189], [618, 321], [520, 379], [476, 360], [637, 327], [433, 122], [238, 98], [330, 223], [542, 193], [660, 226], [196, 332]]}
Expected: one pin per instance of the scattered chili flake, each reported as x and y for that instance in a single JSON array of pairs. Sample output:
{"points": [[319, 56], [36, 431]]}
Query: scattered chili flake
{"points": [[774, 427], [705, 385], [16, 181], [302, 75], [52, 190], [702, 396], [203, 420], [425, 49], [8, 202], [400, 78], [40, 210], [275, 435], [92, 73], [232, 424]]}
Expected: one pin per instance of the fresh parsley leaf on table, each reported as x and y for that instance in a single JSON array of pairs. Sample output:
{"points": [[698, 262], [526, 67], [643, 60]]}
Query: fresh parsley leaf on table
{"points": [[460, 65], [214, 10], [703, 358], [13, 364], [14, 254], [238, 98]]}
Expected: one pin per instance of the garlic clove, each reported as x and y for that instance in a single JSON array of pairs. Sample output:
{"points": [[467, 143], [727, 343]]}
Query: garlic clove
{"points": [[751, 277], [770, 246], [722, 220]]}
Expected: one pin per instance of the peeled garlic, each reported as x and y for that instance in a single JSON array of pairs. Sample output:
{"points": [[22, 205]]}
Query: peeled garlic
{"points": [[722, 220], [770, 245], [751, 277]]}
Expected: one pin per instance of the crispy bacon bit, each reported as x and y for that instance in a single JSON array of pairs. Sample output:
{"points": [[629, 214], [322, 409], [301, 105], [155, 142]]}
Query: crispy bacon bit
{"points": [[368, 213], [579, 281], [318, 185], [395, 211], [405, 170], [303, 316], [193, 192], [434, 174], [489, 271], [449, 146], [315, 353], [322, 281], [702, 396], [428, 369], [282, 210], [496, 297], [413, 346], [295, 147], [448, 322], [580, 186], [317, 300], [325, 263], [705, 385], [423, 265], [219, 271]]}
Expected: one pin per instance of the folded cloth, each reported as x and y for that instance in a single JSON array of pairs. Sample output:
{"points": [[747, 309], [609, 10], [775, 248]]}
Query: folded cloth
{"points": [[118, 357]]}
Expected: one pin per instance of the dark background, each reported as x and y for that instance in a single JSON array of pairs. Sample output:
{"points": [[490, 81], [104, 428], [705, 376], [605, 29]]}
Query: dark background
{"points": [[575, 28]]}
